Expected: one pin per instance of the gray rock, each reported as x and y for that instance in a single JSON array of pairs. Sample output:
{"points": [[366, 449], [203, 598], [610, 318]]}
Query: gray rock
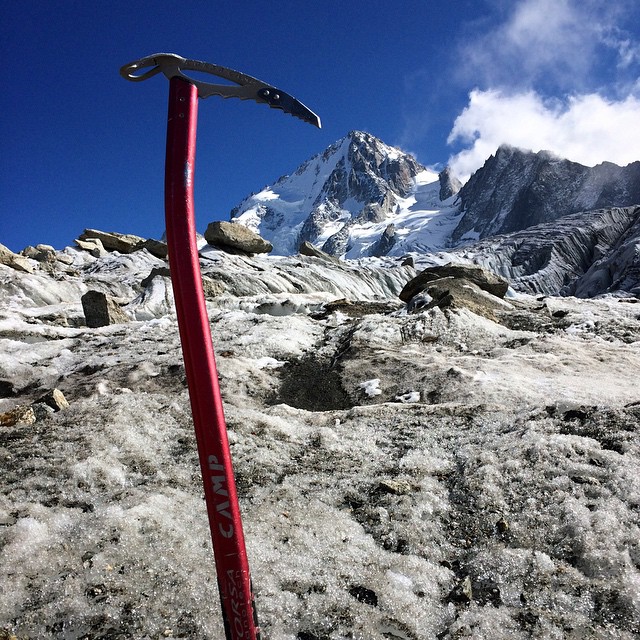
{"points": [[385, 243], [41, 410], [54, 399], [112, 241], [485, 280], [458, 293], [449, 184], [307, 249], [338, 243], [516, 189], [156, 248], [100, 310], [236, 236], [15, 261], [93, 246]]}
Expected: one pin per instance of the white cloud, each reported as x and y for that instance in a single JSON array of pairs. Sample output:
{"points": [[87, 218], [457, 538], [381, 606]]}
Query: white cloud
{"points": [[584, 128], [562, 45]]}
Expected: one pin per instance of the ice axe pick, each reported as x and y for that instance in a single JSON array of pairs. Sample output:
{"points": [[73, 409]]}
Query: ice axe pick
{"points": [[232, 567]]}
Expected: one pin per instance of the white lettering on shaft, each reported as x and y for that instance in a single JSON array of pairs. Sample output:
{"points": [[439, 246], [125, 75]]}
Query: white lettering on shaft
{"points": [[219, 490], [240, 615]]}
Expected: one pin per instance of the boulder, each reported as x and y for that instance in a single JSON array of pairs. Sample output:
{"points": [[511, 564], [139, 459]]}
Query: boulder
{"points": [[93, 246], [100, 310], [22, 414], [41, 253], [308, 249], [487, 281], [15, 261], [408, 262], [156, 248], [236, 236], [112, 241], [456, 293]]}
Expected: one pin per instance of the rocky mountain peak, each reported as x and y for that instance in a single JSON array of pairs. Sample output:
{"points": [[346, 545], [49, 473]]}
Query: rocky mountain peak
{"points": [[449, 184], [357, 180], [516, 189]]}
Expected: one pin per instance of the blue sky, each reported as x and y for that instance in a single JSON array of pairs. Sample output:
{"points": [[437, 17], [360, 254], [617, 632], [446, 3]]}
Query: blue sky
{"points": [[445, 80]]}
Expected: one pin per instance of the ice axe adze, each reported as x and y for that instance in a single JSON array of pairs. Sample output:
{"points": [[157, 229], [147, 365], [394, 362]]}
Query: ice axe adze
{"points": [[232, 567]]}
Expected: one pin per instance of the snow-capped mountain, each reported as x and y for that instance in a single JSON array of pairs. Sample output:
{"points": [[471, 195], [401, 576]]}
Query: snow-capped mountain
{"points": [[516, 189], [360, 197], [363, 198]]}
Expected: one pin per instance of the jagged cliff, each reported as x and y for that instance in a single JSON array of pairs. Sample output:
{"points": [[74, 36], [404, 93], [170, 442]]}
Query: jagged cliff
{"points": [[516, 189]]}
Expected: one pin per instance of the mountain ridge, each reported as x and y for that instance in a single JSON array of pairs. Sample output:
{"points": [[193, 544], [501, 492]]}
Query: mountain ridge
{"points": [[371, 200]]}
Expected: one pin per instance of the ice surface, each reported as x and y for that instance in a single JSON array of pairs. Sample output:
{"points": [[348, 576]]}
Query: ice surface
{"points": [[483, 483]]}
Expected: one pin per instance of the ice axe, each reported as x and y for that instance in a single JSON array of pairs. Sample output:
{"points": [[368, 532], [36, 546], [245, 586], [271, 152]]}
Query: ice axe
{"points": [[232, 567]]}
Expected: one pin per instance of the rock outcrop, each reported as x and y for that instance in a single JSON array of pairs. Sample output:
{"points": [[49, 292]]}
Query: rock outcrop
{"points": [[516, 189], [449, 184], [15, 261]]}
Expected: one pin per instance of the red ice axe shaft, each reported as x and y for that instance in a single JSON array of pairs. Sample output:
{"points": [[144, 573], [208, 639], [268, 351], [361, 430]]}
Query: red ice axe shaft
{"points": [[195, 335], [221, 497]]}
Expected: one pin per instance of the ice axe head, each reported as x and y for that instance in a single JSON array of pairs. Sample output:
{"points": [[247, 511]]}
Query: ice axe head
{"points": [[244, 87]]}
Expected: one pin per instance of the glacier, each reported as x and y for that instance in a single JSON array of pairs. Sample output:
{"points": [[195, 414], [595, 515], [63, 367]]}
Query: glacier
{"points": [[402, 475]]}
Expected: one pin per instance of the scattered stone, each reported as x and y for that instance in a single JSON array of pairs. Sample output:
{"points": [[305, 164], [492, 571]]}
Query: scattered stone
{"points": [[64, 258], [112, 241], [502, 526], [212, 288], [15, 261], [354, 309], [396, 487], [100, 310], [54, 399], [462, 593], [156, 248], [236, 236], [308, 249], [93, 246], [7, 389], [408, 262], [22, 414], [362, 594], [487, 281]]}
